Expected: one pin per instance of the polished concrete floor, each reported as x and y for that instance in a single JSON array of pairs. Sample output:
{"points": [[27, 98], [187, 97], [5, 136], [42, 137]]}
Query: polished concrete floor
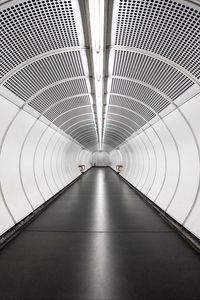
{"points": [[99, 240]]}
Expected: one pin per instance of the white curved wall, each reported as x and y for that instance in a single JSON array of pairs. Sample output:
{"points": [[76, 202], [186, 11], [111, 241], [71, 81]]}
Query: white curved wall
{"points": [[163, 162], [36, 162]]}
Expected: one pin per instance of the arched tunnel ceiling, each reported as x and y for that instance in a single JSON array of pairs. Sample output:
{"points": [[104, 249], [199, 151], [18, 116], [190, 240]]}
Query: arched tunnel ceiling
{"points": [[151, 63]]}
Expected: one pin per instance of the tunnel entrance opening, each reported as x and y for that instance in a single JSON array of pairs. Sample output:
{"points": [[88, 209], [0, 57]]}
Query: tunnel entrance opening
{"points": [[100, 159]]}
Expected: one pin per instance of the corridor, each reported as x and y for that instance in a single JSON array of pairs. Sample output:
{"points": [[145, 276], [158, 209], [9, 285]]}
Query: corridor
{"points": [[99, 240]]}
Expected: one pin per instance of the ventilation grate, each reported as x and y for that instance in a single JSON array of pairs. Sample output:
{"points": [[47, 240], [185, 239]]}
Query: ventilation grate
{"points": [[44, 72], [152, 71], [65, 106], [115, 123], [34, 27], [128, 114], [166, 27], [71, 114], [76, 120], [139, 108], [113, 139], [140, 92], [59, 92], [124, 120], [85, 135], [90, 143], [85, 125]]}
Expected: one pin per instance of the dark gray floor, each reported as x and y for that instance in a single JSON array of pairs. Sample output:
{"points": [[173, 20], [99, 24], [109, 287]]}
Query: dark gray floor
{"points": [[99, 240]]}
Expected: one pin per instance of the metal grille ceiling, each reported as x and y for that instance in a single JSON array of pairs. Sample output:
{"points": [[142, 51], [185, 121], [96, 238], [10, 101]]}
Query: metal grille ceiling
{"points": [[60, 91], [169, 28], [151, 71], [151, 64], [154, 62], [34, 27], [44, 63], [44, 72], [140, 92], [136, 106]]}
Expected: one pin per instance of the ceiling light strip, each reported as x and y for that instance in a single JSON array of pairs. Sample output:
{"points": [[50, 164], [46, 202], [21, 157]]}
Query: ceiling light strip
{"points": [[96, 12]]}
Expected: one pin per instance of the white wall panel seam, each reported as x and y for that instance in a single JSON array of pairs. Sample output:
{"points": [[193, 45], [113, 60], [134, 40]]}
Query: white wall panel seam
{"points": [[68, 170], [165, 157], [161, 119], [54, 162], [130, 172], [64, 143], [141, 127], [51, 156], [58, 161], [130, 156], [47, 126], [179, 166], [20, 164], [148, 167], [1, 146], [154, 152], [156, 164], [138, 160], [198, 151], [34, 161], [66, 175], [197, 146], [143, 157], [63, 176], [137, 133]]}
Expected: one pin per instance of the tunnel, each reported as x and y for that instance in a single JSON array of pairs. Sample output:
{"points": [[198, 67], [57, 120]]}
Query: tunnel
{"points": [[100, 149]]}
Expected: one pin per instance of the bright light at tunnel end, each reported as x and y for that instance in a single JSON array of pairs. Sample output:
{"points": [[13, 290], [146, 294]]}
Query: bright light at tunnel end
{"points": [[96, 12]]}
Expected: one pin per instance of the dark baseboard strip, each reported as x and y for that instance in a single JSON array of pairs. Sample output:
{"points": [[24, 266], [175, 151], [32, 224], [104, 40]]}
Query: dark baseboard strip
{"points": [[190, 238], [16, 229], [99, 166]]}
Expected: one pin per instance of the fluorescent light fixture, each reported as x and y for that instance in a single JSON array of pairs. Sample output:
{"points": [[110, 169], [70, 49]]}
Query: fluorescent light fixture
{"points": [[96, 11]]}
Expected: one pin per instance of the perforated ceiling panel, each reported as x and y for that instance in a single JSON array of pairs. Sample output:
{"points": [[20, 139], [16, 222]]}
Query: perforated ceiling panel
{"points": [[44, 62], [34, 27], [135, 118], [151, 71], [132, 104], [44, 72], [166, 27], [154, 62], [139, 92], [59, 110], [58, 92]]}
